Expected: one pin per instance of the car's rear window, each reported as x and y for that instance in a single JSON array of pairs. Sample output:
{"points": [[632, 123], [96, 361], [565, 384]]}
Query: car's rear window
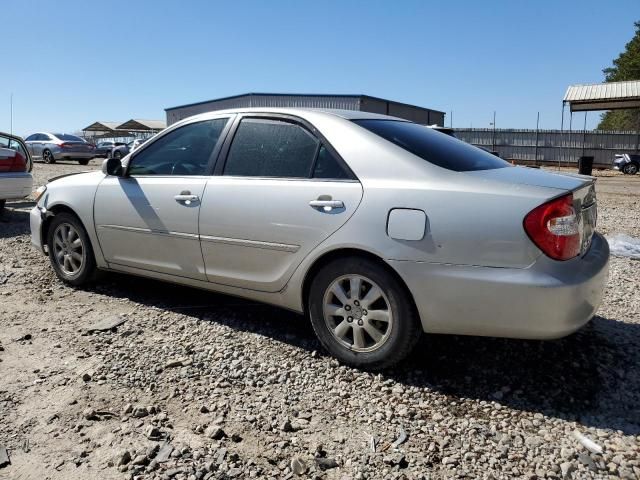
{"points": [[434, 147], [68, 138]]}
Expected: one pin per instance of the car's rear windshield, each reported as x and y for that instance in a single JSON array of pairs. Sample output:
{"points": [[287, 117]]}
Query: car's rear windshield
{"points": [[67, 138], [434, 147]]}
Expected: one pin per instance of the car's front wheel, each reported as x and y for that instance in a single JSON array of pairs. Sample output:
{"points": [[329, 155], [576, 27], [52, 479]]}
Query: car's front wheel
{"points": [[362, 314], [70, 250], [47, 157], [630, 169], [83, 161]]}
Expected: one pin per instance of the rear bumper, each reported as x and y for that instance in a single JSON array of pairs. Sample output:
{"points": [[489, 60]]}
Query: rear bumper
{"points": [[61, 154], [15, 185], [550, 299]]}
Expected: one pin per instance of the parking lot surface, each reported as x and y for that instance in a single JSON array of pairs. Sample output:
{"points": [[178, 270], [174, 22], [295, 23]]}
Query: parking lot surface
{"points": [[195, 385]]}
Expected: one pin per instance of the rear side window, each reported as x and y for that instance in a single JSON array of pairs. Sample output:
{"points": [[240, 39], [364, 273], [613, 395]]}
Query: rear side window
{"points": [[68, 138], [434, 147], [328, 166], [271, 148]]}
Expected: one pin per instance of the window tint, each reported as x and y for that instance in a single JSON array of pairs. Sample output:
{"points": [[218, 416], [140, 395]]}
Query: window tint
{"points": [[271, 148], [43, 137], [184, 151], [67, 138], [327, 166], [30, 138], [434, 147]]}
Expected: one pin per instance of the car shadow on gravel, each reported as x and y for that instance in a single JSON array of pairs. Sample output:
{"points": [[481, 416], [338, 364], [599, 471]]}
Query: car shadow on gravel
{"points": [[590, 377], [13, 223]]}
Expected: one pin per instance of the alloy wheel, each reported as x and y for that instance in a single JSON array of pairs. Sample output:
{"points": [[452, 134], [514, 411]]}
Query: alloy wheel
{"points": [[68, 249], [357, 313], [47, 156]]}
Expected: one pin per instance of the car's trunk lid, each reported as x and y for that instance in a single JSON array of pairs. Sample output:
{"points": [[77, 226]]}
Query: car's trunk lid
{"points": [[581, 186]]}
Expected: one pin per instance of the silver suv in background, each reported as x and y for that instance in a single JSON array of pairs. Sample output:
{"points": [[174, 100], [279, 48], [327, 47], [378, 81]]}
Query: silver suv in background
{"points": [[50, 147]]}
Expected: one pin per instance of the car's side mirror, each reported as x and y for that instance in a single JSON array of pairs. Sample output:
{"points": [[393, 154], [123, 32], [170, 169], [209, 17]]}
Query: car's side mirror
{"points": [[112, 166]]}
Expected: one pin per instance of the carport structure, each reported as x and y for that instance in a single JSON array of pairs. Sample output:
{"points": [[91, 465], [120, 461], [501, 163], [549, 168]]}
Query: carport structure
{"points": [[104, 130], [150, 127], [601, 96]]}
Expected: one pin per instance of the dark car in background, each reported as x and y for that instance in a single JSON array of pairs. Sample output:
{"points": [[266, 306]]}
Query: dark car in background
{"points": [[627, 163], [124, 149], [104, 148], [50, 147]]}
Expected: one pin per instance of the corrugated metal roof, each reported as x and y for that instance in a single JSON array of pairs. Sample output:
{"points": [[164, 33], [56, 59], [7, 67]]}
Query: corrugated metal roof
{"points": [[139, 124], [101, 127], [302, 100], [604, 96]]}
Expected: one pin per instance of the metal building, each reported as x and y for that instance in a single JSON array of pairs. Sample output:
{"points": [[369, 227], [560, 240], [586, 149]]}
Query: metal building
{"points": [[364, 103]]}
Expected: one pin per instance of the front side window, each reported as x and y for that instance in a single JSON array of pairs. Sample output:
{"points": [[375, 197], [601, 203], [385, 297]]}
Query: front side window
{"points": [[31, 138], [6, 142], [183, 151], [434, 147], [271, 148]]}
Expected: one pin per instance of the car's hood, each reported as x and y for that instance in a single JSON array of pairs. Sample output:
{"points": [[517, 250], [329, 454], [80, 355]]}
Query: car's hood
{"points": [[59, 177], [535, 177]]}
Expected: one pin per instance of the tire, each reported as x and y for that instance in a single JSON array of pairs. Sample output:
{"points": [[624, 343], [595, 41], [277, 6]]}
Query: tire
{"points": [[2, 204], [630, 168], [47, 157], [397, 335], [84, 161], [72, 271]]}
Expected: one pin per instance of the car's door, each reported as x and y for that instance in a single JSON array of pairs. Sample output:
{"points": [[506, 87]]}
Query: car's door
{"points": [[148, 218], [280, 190]]}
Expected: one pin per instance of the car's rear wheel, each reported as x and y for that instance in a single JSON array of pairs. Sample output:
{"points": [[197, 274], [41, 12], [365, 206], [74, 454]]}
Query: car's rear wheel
{"points": [[630, 169], [83, 161], [47, 156], [70, 250], [362, 314]]}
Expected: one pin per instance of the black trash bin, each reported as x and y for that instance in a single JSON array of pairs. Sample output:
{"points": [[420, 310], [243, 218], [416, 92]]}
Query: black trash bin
{"points": [[585, 165]]}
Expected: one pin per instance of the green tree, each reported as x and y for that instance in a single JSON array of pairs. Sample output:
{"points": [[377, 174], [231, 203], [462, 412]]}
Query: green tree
{"points": [[625, 67]]}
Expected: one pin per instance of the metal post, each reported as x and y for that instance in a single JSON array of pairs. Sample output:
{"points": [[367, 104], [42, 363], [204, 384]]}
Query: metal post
{"points": [[11, 114], [584, 132], [494, 131], [570, 135], [561, 135], [451, 118], [535, 162]]}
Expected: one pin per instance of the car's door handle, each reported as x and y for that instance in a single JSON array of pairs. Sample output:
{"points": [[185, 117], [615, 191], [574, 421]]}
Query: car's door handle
{"points": [[326, 205], [186, 197]]}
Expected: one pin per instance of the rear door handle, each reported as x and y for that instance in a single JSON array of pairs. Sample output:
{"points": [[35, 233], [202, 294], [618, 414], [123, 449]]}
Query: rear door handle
{"points": [[326, 205]]}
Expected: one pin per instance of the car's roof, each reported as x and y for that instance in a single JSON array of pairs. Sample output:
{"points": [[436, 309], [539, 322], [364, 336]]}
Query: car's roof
{"points": [[10, 135], [346, 114]]}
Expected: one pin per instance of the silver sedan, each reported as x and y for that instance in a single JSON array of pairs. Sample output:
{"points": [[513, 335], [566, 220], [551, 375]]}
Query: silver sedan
{"points": [[51, 147], [376, 228]]}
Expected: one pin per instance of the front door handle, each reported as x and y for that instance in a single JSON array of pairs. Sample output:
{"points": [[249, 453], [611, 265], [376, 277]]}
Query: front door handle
{"points": [[186, 197], [327, 205]]}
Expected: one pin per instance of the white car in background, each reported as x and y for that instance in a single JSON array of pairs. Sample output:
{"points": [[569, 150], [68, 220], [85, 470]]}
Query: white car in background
{"points": [[15, 168]]}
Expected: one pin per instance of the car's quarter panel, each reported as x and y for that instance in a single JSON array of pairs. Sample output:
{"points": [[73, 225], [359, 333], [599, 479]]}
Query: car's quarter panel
{"points": [[550, 299], [255, 231], [140, 223]]}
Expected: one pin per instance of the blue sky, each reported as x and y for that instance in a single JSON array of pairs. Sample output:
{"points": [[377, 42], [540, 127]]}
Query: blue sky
{"points": [[70, 63]]}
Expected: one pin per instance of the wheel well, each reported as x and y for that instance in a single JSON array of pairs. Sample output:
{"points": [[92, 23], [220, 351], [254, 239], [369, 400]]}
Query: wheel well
{"points": [[349, 253], [56, 209]]}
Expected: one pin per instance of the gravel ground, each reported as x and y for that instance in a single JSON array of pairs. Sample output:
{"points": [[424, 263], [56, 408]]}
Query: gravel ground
{"points": [[196, 385]]}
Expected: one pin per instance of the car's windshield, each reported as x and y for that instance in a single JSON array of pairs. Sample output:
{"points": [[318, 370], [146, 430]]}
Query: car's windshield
{"points": [[434, 147], [67, 138]]}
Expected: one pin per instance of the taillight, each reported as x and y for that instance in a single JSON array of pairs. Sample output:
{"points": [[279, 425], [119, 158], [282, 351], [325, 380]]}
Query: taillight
{"points": [[555, 228], [64, 145], [15, 163]]}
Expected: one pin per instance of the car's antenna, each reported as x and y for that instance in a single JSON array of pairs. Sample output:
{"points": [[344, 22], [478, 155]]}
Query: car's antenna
{"points": [[11, 120]]}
